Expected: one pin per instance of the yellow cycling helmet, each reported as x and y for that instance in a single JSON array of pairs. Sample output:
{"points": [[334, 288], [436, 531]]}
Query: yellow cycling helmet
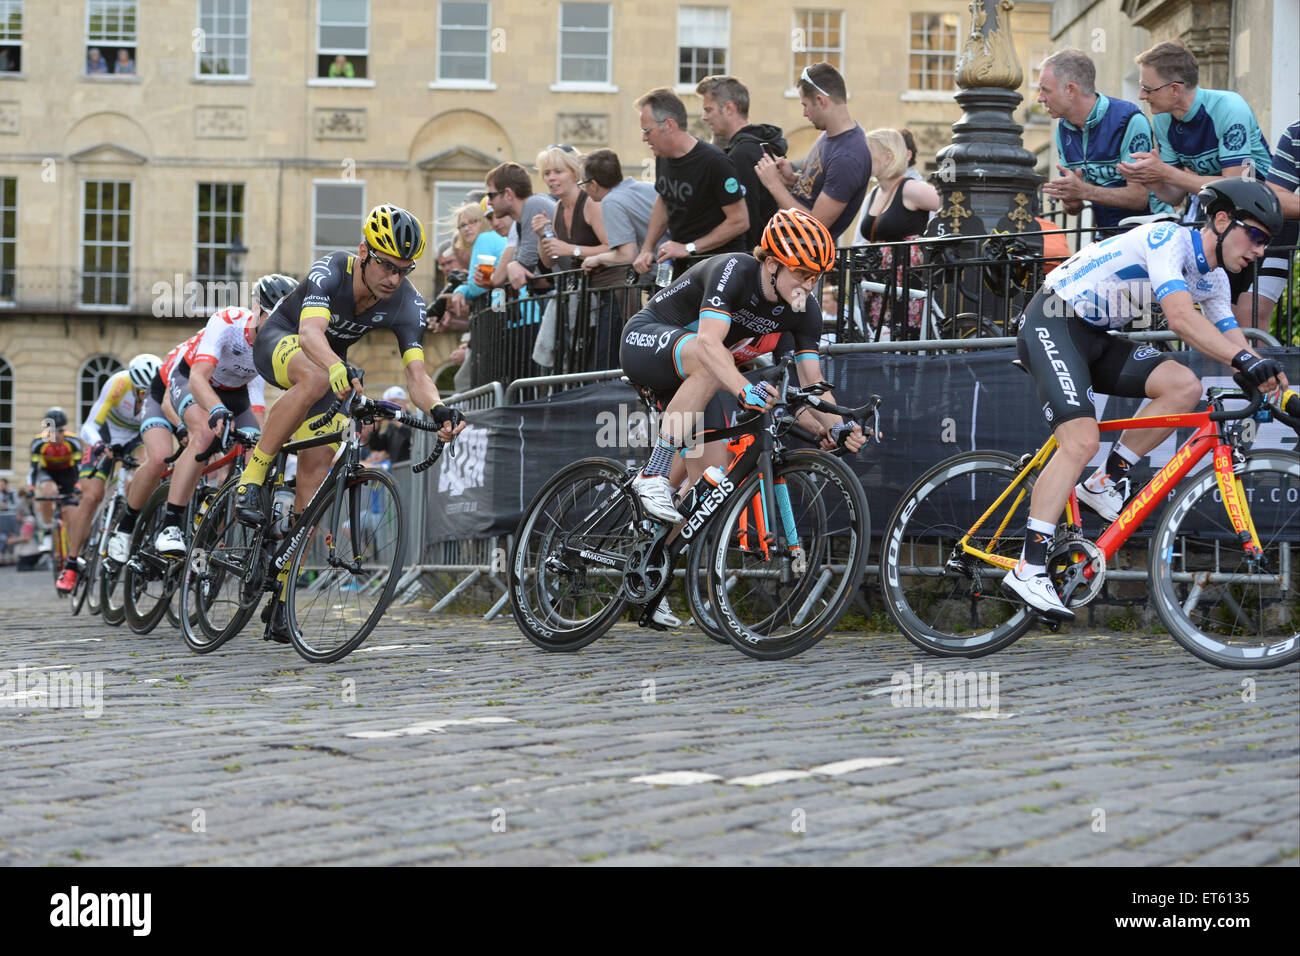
{"points": [[394, 232]]}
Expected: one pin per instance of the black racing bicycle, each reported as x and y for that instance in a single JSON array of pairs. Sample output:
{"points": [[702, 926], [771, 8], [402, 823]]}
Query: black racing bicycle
{"points": [[774, 548], [339, 561]]}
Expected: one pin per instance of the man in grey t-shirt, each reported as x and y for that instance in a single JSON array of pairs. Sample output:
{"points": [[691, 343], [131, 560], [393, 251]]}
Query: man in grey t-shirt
{"points": [[625, 206], [510, 191]]}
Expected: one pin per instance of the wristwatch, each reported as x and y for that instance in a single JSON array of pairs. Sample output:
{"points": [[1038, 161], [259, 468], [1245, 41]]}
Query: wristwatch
{"points": [[577, 252], [690, 248]]}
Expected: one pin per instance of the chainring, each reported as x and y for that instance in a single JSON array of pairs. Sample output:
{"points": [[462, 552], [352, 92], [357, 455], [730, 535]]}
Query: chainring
{"points": [[1069, 564]]}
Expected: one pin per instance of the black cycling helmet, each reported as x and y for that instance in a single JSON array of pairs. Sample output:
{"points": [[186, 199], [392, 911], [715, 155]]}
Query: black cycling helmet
{"points": [[1242, 197], [394, 232], [272, 288], [55, 418]]}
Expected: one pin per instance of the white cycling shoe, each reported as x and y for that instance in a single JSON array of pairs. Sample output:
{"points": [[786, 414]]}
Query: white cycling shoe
{"points": [[170, 541], [1108, 502], [656, 496], [1037, 591], [664, 616], [119, 546]]}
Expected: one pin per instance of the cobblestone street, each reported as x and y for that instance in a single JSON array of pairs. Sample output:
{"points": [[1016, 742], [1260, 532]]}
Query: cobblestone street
{"points": [[453, 741]]}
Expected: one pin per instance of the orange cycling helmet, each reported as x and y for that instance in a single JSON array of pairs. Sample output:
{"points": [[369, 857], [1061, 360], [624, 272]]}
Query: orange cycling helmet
{"points": [[797, 240]]}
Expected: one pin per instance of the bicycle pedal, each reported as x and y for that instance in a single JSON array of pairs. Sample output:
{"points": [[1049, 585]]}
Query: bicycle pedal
{"points": [[1044, 621]]}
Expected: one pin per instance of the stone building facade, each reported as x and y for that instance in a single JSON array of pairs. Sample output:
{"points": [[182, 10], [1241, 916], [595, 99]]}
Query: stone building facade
{"points": [[249, 136]]}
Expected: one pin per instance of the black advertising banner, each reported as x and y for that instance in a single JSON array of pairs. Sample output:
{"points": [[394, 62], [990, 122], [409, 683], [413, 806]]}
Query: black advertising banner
{"points": [[935, 406]]}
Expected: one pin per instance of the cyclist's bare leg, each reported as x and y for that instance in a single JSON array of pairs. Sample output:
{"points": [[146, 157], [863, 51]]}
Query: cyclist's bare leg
{"points": [[313, 466], [159, 444], [1079, 440], [78, 521], [309, 382], [186, 471], [1174, 390]]}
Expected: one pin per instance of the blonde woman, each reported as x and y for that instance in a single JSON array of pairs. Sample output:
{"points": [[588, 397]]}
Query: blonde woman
{"points": [[897, 209], [579, 229], [474, 229]]}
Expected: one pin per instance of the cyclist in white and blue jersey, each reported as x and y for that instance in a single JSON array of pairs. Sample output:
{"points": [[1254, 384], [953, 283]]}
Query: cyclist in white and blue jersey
{"points": [[1063, 341]]}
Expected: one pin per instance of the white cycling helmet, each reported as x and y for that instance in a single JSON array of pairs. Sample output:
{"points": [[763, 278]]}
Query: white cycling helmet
{"points": [[143, 368]]}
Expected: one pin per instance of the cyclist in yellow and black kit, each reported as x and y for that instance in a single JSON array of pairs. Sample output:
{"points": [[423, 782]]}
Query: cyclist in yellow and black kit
{"points": [[304, 344], [54, 461]]}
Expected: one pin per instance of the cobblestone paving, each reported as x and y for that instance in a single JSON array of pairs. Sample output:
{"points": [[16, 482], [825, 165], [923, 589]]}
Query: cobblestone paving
{"points": [[454, 741]]}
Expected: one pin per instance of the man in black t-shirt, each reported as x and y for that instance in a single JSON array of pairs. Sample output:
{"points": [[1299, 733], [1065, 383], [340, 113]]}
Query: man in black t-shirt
{"points": [[701, 202]]}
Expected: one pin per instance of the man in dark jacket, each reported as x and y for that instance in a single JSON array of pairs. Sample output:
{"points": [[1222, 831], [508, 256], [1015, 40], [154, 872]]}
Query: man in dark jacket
{"points": [[726, 112]]}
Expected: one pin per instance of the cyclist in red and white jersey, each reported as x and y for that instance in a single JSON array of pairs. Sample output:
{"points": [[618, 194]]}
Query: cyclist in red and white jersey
{"points": [[208, 380]]}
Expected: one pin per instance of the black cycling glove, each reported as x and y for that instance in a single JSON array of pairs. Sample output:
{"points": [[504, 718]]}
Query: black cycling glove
{"points": [[218, 415], [1255, 369], [442, 414]]}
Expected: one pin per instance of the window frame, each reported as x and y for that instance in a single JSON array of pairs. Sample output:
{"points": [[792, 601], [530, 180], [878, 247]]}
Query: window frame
{"points": [[7, 424], [922, 92], [81, 247], [238, 231], [248, 44], [102, 363], [815, 54], [562, 85], [726, 48], [439, 186], [6, 9], [8, 241], [351, 52], [318, 251], [449, 82], [114, 42]]}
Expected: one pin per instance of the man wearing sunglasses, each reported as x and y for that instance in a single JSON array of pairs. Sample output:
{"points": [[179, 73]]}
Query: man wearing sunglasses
{"points": [[1203, 134], [1064, 342], [303, 347], [835, 174]]}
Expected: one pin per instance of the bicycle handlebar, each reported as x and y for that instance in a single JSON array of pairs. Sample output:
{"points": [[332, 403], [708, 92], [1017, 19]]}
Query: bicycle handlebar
{"points": [[1286, 411], [365, 411]]}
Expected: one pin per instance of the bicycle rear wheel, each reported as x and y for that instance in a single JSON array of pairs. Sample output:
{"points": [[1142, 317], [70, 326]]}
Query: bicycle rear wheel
{"points": [[946, 602], [217, 582], [569, 553], [330, 616], [1212, 600], [697, 584], [148, 578], [786, 599]]}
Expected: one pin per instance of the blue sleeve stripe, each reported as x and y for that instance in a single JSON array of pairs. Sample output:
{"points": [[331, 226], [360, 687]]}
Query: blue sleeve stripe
{"points": [[1170, 287], [1224, 325], [715, 314], [1133, 272], [813, 352]]}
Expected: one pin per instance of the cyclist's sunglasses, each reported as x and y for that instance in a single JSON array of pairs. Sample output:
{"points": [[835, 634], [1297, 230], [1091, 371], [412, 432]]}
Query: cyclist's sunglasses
{"points": [[806, 77], [804, 275], [392, 268], [1258, 236]]}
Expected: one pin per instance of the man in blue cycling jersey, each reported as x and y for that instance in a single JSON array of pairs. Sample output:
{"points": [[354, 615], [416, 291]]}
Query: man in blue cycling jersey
{"points": [[1064, 343]]}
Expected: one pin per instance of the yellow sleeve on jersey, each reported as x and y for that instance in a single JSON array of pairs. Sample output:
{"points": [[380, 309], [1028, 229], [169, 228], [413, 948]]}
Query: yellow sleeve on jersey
{"points": [[313, 312], [413, 354], [117, 391]]}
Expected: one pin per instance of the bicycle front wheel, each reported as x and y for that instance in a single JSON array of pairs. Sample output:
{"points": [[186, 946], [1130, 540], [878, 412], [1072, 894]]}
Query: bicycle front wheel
{"points": [[89, 575], [334, 600], [569, 553], [1219, 605], [217, 594], [945, 601], [785, 598]]}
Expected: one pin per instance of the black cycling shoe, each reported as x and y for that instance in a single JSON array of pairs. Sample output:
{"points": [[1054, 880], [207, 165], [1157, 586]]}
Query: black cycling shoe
{"points": [[277, 624], [249, 507]]}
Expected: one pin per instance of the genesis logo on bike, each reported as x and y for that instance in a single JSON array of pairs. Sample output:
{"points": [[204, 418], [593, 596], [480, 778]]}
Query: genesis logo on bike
{"points": [[706, 506]]}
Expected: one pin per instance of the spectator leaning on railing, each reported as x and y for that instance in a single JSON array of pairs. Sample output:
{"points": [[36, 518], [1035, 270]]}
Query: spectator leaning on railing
{"points": [[724, 103], [576, 225], [510, 191], [1094, 134], [474, 226], [700, 201], [835, 174]]}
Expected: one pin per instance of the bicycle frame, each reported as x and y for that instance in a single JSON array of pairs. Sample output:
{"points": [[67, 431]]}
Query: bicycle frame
{"points": [[1204, 440]]}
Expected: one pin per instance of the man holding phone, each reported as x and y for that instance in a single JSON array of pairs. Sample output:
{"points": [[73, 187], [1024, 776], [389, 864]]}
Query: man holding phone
{"points": [[725, 105]]}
